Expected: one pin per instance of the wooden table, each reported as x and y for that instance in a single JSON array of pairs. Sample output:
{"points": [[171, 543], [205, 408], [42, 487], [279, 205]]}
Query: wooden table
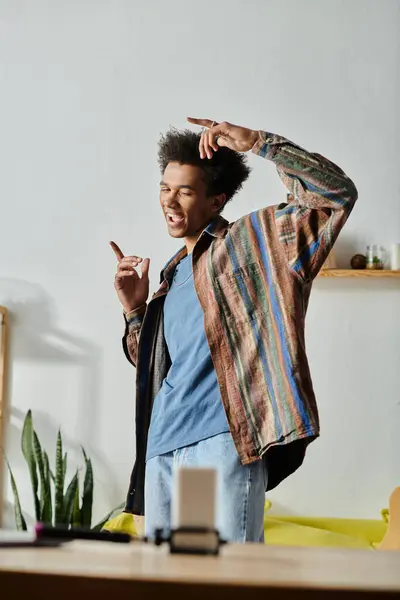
{"points": [[100, 571]]}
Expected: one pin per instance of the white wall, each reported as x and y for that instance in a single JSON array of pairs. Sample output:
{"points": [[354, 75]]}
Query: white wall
{"points": [[85, 88]]}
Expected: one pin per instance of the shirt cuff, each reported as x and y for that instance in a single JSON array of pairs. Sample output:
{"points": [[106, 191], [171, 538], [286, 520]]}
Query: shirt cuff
{"points": [[134, 318], [262, 147]]}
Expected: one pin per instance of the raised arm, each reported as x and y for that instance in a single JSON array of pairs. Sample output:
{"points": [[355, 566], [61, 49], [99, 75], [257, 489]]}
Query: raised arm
{"points": [[133, 292], [323, 197]]}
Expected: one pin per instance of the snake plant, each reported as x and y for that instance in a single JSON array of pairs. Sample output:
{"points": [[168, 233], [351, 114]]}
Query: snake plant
{"points": [[55, 503]]}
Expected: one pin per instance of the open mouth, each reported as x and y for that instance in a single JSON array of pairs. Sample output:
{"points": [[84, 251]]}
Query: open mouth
{"points": [[174, 220]]}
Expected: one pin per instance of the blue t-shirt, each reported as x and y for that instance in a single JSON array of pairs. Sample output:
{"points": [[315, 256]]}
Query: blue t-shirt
{"points": [[188, 407]]}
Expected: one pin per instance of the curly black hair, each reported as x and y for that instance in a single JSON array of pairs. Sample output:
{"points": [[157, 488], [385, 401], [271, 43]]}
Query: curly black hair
{"points": [[224, 173]]}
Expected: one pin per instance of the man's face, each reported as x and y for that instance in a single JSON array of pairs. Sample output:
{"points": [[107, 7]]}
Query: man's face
{"points": [[183, 197]]}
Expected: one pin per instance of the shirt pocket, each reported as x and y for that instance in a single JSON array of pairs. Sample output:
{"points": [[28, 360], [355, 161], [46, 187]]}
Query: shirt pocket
{"points": [[240, 293]]}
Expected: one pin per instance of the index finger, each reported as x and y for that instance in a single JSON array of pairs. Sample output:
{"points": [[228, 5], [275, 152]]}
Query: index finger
{"points": [[117, 251], [202, 122]]}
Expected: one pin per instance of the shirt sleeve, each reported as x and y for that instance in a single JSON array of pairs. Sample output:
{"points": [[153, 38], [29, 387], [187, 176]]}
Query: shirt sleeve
{"points": [[133, 326], [322, 198]]}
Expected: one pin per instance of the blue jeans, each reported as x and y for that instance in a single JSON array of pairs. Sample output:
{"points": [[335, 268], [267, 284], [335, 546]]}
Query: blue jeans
{"points": [[240, 492]]}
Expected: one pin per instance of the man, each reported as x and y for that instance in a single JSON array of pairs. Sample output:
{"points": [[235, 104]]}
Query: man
{"points": [[222, 373]]}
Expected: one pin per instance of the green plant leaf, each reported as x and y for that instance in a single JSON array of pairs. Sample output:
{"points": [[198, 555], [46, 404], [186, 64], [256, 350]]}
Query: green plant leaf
{"points": [[45, 493], [87, 496], [76, 513], [69, 499], [46, 465], [65, 466], [37, 448], [29, 455], [99, 526], [47, 513], [19, 517], [47, 505], [59, 483]]}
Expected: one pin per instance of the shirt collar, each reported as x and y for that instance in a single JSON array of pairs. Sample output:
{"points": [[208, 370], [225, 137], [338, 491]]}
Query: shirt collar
{"points": [[217, 229]]}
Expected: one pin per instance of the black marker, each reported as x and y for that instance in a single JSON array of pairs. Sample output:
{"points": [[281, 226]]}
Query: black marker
{"points": [[43, 532]]}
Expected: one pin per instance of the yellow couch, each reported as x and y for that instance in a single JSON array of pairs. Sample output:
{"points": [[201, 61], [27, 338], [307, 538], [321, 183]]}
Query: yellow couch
{"points": [[296, 531], [314, 531]]}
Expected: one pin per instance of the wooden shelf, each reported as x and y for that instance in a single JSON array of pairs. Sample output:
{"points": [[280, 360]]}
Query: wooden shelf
{"points": [[359, 273]]}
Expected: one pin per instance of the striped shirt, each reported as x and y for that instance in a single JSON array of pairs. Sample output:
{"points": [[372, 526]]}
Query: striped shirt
{"points": [[253, 279]]}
